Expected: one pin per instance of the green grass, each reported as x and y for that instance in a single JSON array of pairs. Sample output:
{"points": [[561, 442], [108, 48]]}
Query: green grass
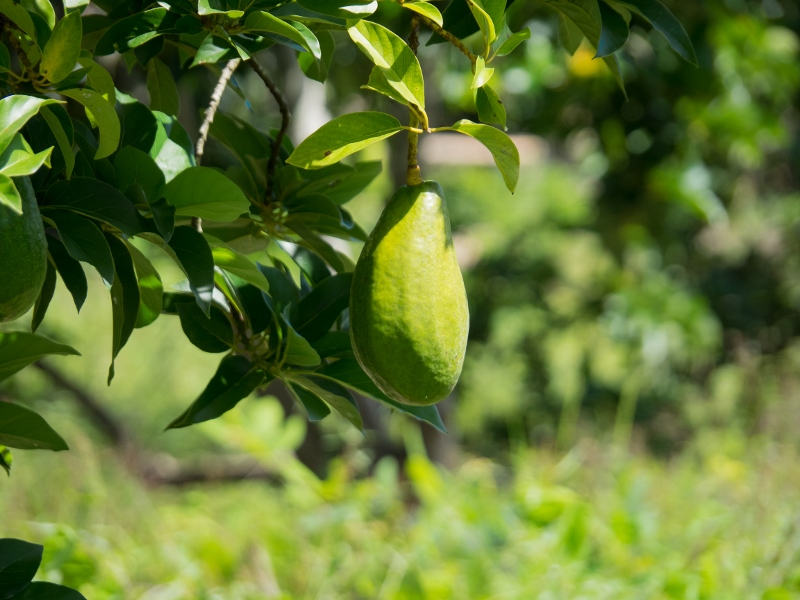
{"points": [[719, 521]]}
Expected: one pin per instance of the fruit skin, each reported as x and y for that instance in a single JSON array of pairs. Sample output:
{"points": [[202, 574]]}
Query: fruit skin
{"points": [[23, 254], [409, 318]]}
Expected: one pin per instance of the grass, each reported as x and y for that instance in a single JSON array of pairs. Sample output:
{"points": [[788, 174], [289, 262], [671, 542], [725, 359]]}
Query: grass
{"points": [[718, 521]]}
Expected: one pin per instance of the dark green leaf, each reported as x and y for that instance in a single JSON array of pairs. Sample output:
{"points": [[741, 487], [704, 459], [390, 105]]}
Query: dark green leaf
{"points": [[70, 270], [45, 296], [162, 88], [125, 298], [344, 9], [297, 32], [197, 262], [282, 289], [115, 37], [665, 22], [233, 262], [317, 69], [314, 405], [19, 561], [22, 428], [61, 125], [213, 334], [235, 379], [151, 291], [19, 349], [318, 311], [298, 351], [132, 166], [313, 267], [84, 241], [94, 199], [614, 33], [334, 344], [42, 590], [333, 394], [6, 460], [206, 193], [490, 107], [350, 373]]}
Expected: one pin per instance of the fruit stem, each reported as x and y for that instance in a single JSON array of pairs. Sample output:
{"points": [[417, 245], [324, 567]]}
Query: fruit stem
{"points": [[413, 173]]}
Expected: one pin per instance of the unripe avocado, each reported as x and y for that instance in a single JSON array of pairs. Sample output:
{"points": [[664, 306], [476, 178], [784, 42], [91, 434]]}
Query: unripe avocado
{"points": [[23, 254], [408, 307]]}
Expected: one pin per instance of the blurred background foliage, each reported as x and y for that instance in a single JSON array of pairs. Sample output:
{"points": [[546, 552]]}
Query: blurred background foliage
{"points": [[625, 425]]}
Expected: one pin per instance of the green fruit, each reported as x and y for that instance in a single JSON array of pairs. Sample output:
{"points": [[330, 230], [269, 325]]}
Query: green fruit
{"points": [[408, 307], [23, 254]]}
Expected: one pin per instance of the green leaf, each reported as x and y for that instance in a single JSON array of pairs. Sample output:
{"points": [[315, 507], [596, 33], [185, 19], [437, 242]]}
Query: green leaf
{"points": [[482, 74], [395, 59], [378, 83], [490, 107], [162, 88], [314, 405], [341, 137], [515, 40], [134, 167], [62, 49], [84, 241], [233, 262], [45, 296], [333, 394], [213, 49], [19, 349], [426, 9], [334, 344], [43, 8], [298, 351], [350, 373], [585, 15], [206, 193], [115, 37], [213, 334], [56, 124], [664, 21], [504, 152], [19, 562], [22, 428], [94, 199], [235, 379], [102, 113], [196, 260], [98, 78], [18, 159], [484, 20], [282, 289], [42, 590], [70, 270], [151, 290], [318, 69], [345, 9], [9, 195], [297, 32], [341, 183], [314, 242], [316, 313], [125, 298], [614, 33], [15, 111], [6, 460], [20, 17]]}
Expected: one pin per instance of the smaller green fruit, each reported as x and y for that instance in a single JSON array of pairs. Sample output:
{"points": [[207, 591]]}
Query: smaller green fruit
{"points": [[23, 254]]}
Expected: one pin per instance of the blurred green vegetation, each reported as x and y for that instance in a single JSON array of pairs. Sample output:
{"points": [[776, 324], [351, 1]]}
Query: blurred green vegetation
{"points": [[625, 426]]}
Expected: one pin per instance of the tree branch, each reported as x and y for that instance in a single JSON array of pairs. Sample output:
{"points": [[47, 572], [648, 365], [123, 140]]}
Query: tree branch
{"points": [[286, 118], [211, 111], [450, 38], [413, 174], [155, 470]]}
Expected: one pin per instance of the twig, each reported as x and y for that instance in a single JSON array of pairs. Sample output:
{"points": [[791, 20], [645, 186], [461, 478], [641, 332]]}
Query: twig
{"points": [[450, 38], [413, 174], [21, 54], [211, 111], [286, 118]]}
